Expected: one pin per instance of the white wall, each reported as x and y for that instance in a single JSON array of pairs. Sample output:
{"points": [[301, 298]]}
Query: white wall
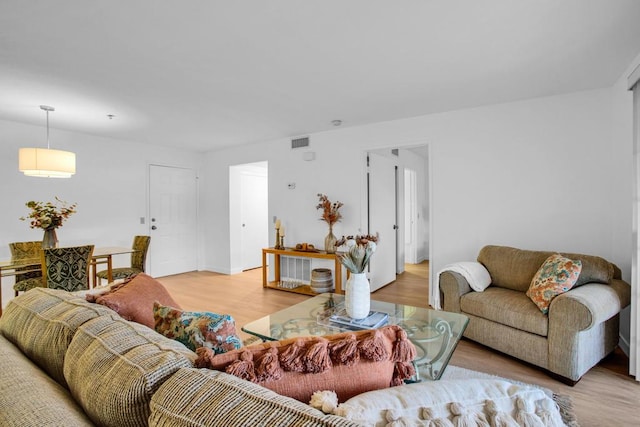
{"points": [[536, 174], [548, 173], [110, 187]]}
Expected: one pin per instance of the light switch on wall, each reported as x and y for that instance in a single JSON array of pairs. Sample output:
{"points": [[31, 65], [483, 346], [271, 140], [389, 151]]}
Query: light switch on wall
{"points": [[141, 220]]}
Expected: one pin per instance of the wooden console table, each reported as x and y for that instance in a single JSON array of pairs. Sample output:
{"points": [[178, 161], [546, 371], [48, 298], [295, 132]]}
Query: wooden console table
{"points": [[304, 289]]}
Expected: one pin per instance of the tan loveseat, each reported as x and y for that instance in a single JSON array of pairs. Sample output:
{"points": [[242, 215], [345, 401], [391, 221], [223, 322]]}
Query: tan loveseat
{"points": [[580, 329]]}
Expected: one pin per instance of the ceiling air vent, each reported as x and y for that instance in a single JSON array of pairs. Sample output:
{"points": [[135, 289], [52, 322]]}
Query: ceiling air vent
{"points": [[300, 142]]}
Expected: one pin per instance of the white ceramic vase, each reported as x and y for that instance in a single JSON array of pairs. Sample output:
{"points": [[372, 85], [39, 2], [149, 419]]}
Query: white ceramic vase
{"points": [[357, 296]]}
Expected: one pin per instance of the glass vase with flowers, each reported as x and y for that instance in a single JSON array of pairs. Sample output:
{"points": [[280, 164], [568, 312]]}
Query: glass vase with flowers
{"points": [[49, 216], [330, 214]]}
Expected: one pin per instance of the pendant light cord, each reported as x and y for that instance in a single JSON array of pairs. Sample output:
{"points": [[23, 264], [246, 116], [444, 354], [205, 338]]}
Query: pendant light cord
{"points": [[47, 129], [47, 109]]}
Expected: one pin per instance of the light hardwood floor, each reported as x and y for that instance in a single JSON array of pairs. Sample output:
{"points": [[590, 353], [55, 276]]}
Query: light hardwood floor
{"points": [[605, 396]]}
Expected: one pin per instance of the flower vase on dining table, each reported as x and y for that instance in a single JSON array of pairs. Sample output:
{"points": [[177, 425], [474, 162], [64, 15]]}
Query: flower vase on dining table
{"points": [[50, 239], [357, 296]]}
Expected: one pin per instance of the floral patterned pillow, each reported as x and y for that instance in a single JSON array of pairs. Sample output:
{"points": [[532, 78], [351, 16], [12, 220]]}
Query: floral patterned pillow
{"points": [[556, 276], [197, 329]]}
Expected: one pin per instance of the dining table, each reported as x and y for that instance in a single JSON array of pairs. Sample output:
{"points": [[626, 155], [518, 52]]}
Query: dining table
{"points": [[100, 256]]}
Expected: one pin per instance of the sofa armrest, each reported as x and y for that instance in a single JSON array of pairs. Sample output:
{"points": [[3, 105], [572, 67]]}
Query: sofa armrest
{"points": [[623, 289], [452, 287], [588, 305]]}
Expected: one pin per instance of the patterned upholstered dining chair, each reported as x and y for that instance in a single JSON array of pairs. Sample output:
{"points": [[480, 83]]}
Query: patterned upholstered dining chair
{"points": [[25, 250], [64, 268], [138, 260]]}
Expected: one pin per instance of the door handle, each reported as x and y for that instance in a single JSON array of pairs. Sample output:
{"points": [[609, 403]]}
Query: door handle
{"points": [[153, 227]]}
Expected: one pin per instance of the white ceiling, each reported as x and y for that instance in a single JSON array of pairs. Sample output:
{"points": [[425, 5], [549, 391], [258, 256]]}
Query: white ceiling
{"points": [[205, 74]]}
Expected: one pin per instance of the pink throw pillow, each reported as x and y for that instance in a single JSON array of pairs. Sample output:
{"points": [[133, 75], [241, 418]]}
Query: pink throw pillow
{"points": [[134, 299], [349, 363]]}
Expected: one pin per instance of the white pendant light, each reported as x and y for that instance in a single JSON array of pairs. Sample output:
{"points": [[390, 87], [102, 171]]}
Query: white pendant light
{"points": [[45, 162]]}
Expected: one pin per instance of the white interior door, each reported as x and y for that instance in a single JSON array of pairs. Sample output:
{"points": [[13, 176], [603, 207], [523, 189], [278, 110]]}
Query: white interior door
{"points": [[173, 220], [254, 204], [382, 219]]}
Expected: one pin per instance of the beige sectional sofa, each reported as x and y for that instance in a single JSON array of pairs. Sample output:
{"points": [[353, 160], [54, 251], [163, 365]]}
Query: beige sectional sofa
{"points": [[67, 362], [579, 330]]}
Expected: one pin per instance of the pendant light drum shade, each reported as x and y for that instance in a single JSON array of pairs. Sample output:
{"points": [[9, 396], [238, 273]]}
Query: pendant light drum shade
{"points": [[45, 162]]}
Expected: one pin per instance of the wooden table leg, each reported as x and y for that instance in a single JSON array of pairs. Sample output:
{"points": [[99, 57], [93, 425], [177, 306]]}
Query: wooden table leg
{"points": [[338, 270], [264, 269], [276, 268], [109, 269]]}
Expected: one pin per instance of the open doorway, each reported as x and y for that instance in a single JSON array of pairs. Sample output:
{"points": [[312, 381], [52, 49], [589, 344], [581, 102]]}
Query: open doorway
{"points": [[410, 195], [418, 202], [248, 216]]}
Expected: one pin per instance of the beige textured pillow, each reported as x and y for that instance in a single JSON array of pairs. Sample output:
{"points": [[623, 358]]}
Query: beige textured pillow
{"points": [[348, 363], [133, 300], [113, 367], [30, 397], [216, 399], [42, 322]]}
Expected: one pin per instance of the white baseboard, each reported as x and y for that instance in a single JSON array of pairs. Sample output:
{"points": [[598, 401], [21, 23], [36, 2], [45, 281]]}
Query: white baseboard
{"points": [[217, 269], [624, 345]]}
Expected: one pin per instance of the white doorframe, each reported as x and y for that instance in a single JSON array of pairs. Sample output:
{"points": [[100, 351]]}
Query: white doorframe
{"points": [[399, 220], [410, 217]]}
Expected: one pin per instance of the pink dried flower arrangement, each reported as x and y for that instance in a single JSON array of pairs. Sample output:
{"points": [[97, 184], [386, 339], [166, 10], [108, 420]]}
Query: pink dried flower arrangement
{"points": [[330, 211]]}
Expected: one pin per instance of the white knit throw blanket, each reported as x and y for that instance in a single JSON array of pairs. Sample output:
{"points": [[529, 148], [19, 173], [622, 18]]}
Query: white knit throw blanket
{"points": [[474, 272]]}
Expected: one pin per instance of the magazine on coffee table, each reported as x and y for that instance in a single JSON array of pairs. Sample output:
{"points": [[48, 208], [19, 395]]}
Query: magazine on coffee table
{"points": [[374, 320]]}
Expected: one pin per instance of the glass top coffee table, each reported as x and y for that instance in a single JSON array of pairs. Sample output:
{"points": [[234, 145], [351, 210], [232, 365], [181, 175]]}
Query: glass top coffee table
{"points": [[434, 333]]}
